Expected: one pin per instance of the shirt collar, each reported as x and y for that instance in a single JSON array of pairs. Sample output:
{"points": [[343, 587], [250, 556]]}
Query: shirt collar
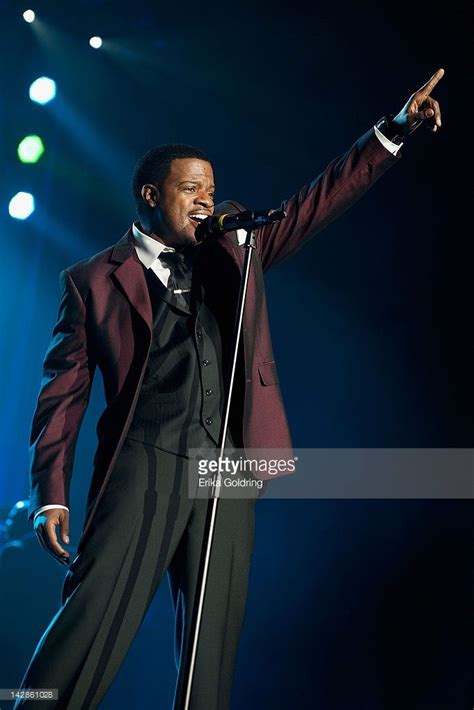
{"points": [[147, 248]]}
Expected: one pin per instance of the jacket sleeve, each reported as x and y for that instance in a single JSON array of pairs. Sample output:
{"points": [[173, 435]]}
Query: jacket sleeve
{"points": [[68, 371], [318, 203]]}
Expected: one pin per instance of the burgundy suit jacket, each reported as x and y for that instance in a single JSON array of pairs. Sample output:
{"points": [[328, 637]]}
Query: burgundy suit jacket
{"points": [[105, 321]]}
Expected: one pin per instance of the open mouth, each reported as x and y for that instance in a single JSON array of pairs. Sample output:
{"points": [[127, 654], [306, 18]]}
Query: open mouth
{"points": [[198, 217]]}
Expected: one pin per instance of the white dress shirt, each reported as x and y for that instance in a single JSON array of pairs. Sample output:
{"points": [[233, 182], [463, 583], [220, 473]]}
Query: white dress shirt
{"points": [[149, 250]]}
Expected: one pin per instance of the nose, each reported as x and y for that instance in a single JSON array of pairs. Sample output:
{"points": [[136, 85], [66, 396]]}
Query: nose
{"points": [[204, 200]]}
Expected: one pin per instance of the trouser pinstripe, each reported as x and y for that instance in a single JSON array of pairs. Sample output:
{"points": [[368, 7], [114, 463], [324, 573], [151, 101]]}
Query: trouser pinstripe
{"points": [[146, 524]]}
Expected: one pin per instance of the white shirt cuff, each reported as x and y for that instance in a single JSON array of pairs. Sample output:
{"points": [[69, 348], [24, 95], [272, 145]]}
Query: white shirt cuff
{"points": [[392, 147], [48, 507]]}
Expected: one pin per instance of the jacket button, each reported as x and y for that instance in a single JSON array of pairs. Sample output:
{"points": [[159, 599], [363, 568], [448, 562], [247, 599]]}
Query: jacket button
{"points": [[208, 392], [205, 363], [199, 333], [209, 420]]}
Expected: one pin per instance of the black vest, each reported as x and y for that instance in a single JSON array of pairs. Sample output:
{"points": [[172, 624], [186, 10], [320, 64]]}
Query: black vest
{"points": [[180, 403]]}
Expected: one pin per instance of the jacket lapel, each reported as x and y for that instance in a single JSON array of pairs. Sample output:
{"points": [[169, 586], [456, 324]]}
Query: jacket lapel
{"points": [[131, 280], [130, 277]]}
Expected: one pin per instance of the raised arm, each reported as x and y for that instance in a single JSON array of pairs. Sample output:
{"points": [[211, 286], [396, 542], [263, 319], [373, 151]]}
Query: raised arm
{"points": [[320, 202], [347, 177]]}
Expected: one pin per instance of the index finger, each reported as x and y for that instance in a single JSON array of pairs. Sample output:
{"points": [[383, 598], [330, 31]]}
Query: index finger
{"points": [[427, 88]]}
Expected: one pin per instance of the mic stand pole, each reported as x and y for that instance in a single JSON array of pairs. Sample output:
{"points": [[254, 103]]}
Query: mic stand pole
{"points": [[208, 535]]}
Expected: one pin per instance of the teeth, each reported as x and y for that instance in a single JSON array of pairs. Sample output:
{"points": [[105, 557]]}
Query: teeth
{"points": [[199, 216]]}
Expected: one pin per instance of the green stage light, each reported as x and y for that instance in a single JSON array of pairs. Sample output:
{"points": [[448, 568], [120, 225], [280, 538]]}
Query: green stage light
{"points": [[30, 149]]}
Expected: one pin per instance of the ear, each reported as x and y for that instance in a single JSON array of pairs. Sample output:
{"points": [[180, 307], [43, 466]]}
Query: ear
{"points": [[150, 195]]}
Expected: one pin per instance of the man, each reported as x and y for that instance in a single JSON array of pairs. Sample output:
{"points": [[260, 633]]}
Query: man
{"points": [[162, 341]]}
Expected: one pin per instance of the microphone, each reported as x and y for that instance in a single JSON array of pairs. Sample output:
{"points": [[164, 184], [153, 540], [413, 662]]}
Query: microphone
{"points": [[212, 226]]}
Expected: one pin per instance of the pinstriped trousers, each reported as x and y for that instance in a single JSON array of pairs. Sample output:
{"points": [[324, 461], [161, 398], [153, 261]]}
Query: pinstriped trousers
{"points": [[146, 524]]}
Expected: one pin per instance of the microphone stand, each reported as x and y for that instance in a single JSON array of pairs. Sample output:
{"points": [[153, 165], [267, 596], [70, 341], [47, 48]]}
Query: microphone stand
{"points": [[208, 535]]}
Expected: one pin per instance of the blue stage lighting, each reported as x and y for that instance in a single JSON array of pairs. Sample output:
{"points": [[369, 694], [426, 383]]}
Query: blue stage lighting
{"points": [[43, 90], [29, 16], [22, 205]]}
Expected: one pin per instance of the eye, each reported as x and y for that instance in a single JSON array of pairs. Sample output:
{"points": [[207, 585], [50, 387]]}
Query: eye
{"points": [[191, 188]]}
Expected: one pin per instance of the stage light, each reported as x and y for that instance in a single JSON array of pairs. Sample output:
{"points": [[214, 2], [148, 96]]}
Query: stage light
{"points": [[29, 16], [30, 149], [43, 90], [95, 42], [22, 205]]}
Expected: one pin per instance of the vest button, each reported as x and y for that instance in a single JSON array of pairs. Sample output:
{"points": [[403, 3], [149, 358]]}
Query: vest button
{"points": [[205, 363], [209, 420], [208, 392], [199, 333]]}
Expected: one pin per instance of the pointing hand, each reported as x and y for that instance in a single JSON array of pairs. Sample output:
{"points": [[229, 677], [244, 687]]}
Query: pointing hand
{"points": [[421, 108]]}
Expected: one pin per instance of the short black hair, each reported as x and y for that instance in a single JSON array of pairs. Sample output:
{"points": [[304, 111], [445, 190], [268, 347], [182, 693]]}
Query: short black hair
{"points": [[154, 166]]}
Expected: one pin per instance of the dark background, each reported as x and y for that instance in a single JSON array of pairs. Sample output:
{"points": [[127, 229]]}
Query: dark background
{"points": [[361, 604]]}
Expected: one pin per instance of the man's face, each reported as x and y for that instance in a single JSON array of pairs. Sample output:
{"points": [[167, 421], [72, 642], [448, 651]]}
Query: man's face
{"points": [[186, 196]]}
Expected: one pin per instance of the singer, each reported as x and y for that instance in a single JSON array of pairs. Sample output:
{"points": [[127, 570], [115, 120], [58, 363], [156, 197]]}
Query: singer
{"points": [[154, 313]]}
